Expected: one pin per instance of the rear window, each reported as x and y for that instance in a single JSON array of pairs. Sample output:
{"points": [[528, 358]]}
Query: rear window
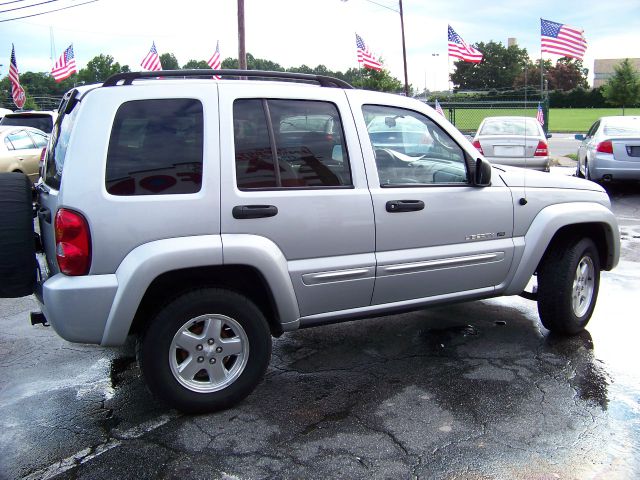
{"points": [[156, 148], [507, 126], [41, 122], [625, 128]]}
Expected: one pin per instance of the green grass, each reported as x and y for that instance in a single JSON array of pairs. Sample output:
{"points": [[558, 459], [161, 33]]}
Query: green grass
{"points": [[560, 119]]}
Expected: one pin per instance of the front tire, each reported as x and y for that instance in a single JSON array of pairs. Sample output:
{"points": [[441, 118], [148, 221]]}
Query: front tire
{"points": [[568, 283], [205, 351]]}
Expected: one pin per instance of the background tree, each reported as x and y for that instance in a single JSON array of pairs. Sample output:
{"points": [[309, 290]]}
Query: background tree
{"points": [[195, 64], [169, 61], [100, 68], [565, 75], [623, 88], [498, 69]]}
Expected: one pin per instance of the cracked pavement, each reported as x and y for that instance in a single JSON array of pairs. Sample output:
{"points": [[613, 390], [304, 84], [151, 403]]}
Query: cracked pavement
{"points": [[478, 390]]}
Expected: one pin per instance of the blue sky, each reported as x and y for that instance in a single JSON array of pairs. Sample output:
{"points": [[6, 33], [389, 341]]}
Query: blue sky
{"points": [[312, 32]]}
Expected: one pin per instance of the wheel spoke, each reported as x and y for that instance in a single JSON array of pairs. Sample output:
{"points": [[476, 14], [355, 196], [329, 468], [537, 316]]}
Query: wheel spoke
{"points": [[189, 368], [188, 341], [217, 372], [231, 346], [212, 328]]}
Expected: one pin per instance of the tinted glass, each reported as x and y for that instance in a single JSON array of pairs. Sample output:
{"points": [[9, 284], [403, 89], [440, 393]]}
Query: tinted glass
{"points": [[56, 154], [21, 140], [41, 122], [510, 126], [156, 148], [411, 149], [308, 140]]}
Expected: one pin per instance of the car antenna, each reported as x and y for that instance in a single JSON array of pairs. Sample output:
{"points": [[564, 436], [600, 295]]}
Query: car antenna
{"points": [[523, 199]]}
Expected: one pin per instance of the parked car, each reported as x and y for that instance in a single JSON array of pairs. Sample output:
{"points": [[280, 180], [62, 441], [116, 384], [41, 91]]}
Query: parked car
{"points": [[42, 119], [21, 149], [205, 217], [4, 111], [515, 141], [610, 150]]}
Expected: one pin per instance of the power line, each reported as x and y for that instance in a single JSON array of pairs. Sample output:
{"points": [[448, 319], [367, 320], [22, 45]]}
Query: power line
{"points": [[49, 11], [12, 1], [27, 6]]}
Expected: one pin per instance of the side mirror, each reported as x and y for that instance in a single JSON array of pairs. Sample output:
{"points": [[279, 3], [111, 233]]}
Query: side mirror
{"points": [[482, 176], [548, 135], [579, 136]]}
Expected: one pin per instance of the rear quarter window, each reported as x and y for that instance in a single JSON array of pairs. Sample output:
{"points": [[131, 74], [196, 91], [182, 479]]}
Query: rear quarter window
{"points": [[156, 148]]}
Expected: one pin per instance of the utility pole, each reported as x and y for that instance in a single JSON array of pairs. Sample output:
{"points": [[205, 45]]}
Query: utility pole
{"points": [[404, 53], [242, 52]]}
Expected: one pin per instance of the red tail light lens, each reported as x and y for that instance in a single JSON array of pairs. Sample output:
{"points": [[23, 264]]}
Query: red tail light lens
{"points": [[605, 147], [542, 150], [73, 243], [476, 143]]}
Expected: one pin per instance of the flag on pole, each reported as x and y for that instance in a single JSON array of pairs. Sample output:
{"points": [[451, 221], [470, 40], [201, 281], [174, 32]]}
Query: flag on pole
{"points": [[65, 66], [365, 57], [458, 48], [540, 115], [17, 92], [561, 39], [152, 60], [439, 108], [214, 61]]}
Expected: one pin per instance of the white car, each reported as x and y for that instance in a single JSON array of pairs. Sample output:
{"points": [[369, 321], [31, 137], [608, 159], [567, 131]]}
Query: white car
{"points": [[514, 141], [610, 150]]}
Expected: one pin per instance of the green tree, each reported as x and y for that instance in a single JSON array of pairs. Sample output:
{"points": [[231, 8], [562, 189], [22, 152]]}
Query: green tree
{"points": [[565, 75], [498, 69], [195, 64], [99, 68], [169, 61], [623, 88]]}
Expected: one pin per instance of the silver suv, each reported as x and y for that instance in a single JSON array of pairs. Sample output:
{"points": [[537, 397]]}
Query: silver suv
{"points": [[207, 216]]}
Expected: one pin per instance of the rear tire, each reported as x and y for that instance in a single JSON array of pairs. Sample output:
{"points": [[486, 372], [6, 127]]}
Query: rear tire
{"points": [[578, 172], [205, 351], [17, 243], [568, 283]]}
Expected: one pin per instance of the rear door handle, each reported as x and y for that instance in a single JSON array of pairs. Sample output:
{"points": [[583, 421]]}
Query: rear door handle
{"points": [[396, 206], [254, 211]]}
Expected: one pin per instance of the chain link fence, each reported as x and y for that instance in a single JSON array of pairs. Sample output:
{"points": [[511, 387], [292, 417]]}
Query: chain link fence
{"points": [[43, 102], [466, 116]]}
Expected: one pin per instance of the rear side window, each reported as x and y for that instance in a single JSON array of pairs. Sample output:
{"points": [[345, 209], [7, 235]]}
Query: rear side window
{"points": [[20, 140], [289, 144], [57, 151], [156, 148]]}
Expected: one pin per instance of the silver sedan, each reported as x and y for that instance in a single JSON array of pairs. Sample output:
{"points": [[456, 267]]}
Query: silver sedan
{"points": [[610, 150], [514, 141]]}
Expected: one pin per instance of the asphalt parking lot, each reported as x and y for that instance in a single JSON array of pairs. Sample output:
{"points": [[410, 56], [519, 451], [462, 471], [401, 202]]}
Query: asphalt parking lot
{"points": [[476, 391]]}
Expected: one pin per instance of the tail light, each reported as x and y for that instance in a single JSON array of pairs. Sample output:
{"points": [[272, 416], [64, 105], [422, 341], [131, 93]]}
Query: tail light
{"points": [[605, 147], [476, 143], [542, 150], [73, 243]]}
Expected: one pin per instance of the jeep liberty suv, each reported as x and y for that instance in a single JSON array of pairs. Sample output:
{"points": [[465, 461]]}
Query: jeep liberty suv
{"points": [[206, 217]]}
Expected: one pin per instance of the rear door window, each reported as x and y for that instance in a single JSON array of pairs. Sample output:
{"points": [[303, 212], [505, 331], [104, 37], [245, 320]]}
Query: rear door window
{"points": [[156, 148], [289, 144], [20, 140]]}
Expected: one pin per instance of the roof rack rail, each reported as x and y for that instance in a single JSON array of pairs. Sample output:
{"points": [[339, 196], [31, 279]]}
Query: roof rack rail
{"points": [[128, 77]]}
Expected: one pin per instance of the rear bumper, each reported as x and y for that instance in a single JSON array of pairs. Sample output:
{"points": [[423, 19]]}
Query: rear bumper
{"points": [[533, 163], [78, 307], [617, 170]]}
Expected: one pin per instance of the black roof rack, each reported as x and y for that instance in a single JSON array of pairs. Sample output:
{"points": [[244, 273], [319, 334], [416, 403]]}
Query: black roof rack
{"points": [[128, 77]]}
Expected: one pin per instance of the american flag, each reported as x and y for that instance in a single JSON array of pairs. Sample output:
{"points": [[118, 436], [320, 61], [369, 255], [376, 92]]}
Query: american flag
{"points": [[152, 60], [65, 66], [439, 108], [540, 115], [562, 39], [214, 61], [459, 49], [365, 57], [17, 92]]}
